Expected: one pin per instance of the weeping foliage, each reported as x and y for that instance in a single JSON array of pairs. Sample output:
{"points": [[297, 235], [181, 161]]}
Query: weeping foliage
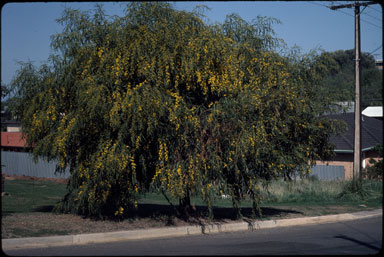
{"points": [[159, 100]]}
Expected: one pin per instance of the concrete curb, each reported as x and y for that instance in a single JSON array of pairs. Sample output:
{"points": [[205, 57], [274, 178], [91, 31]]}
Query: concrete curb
{"points": [[32, 242]]}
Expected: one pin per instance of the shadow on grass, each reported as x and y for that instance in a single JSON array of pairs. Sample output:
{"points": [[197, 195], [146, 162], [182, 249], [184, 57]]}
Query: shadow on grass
{"points": [[168, 213], [44, 208], [7, 213]]}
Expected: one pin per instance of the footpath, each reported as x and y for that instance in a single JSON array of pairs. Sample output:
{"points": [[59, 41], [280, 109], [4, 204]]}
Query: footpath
{"points": [[33, 242]]}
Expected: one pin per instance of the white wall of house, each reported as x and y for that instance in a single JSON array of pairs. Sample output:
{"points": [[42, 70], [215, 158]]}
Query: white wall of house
{"points": [[13, 129]]}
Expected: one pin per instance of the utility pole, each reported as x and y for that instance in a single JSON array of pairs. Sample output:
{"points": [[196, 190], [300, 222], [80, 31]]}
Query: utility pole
{"points": [[357, 160]]}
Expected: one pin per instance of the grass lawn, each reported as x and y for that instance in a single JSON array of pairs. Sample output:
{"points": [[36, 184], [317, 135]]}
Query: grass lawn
{"points": [[25, 196], [27, 205], [30, 196]]}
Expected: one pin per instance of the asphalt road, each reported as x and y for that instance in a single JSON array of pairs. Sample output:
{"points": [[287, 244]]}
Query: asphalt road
{"points": [[360, 237]]}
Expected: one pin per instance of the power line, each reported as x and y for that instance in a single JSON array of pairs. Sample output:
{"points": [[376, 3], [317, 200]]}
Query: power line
{"points": [[375, 49], [338, 9], [357, 4], [372, 16], [318, 4], [330, 7], [371, 23], [360, 19], [370, 7]]}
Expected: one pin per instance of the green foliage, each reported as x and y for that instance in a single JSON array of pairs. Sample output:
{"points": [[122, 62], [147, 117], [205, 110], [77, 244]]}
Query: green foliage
{"points": [[339, 82], [309, 192], [159, 100], [354, 190], [4, 91], [375, 170]]}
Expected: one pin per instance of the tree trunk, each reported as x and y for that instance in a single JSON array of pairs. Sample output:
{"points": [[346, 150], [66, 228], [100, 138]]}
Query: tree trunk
{"points": [[185, 205]]}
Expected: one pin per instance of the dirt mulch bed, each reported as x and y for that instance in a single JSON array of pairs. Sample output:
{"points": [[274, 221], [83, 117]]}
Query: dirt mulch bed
{"points": [[48, 224], [17, 225]]}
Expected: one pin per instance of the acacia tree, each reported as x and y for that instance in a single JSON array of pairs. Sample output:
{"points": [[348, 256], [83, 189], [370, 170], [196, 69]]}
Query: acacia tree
{"points": [[159, 100]]}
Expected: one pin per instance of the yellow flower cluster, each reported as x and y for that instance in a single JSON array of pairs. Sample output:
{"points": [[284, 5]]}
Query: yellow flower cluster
{"points": [[51, 111], [133, 164], [163, 151], [36, 123], [101, 159], [100, 53], [173, 117], [120, 211], [114, 116], [60, 143]]}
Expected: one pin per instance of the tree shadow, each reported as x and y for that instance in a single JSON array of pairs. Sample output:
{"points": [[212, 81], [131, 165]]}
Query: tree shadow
{"points": [[198, 214], [6, 213], [44, 208], [358, 242]]}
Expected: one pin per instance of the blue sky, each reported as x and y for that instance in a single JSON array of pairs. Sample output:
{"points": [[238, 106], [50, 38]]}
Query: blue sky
{"points": [[26, 27]]}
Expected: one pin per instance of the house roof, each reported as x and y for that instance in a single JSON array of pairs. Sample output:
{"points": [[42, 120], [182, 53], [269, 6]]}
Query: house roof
{"points": [[371, 133], [373, 111], [12, 139]]}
